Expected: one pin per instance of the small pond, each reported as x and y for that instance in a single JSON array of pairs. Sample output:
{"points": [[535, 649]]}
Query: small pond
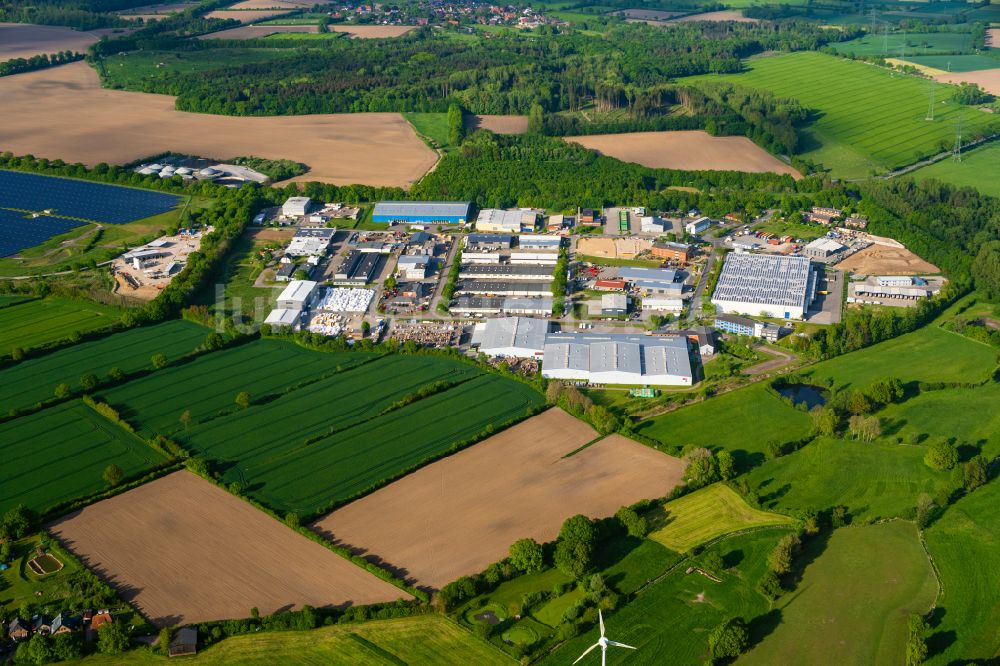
{"points": [[812, 396]]}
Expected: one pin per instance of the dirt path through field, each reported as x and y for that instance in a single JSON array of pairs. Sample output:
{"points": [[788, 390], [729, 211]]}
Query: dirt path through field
{"points": [[692, 150], [458, 515], [182, 551], [81, 122]]}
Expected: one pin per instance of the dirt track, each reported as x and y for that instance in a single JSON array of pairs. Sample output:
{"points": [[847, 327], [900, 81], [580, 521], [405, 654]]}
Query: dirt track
{"points": [[881, 260], [692, 150], [23, 40], [81, 122], [182, 550], [460, 514]]}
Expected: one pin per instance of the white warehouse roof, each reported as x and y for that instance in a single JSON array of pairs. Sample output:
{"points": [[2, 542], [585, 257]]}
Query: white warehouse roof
{"points": [[298, 290], [512, 336], [617, 359], [756, 284]]}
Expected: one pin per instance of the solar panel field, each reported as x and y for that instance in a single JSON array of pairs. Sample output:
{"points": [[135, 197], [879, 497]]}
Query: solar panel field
{"points": [[19, 230], [60, 454], [318, 430], [869, 118], [42, 321], [34, 380]]}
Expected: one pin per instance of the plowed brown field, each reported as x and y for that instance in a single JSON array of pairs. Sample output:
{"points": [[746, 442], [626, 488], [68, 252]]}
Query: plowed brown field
{"points": [[246, 15], [460, 514], [23, 40], [182, 550], [690, 150], [987, 79], [257, 31], [81, 122], [499, 124]]}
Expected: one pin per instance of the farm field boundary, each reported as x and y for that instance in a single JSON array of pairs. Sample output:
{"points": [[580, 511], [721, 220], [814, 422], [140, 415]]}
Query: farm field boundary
{"points": [[39, 323]]}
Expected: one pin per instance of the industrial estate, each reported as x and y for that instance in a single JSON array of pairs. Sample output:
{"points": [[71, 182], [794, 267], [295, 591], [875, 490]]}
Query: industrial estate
{"points": [[454, 333]]}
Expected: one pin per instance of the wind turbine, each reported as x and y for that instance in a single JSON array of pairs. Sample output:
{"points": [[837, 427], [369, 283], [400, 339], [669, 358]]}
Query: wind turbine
{"points": [[602, 643]]}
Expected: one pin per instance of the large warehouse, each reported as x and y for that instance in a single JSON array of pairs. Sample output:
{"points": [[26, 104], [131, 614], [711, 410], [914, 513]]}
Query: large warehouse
{"points": [[421, 212], [519, 337], [617, 358], [765, 285]]}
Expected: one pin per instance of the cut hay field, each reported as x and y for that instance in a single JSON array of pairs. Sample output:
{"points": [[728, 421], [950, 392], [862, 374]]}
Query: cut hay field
{"points": [[741, 422], [669, 621], [460, 514], [977, 169], [689, 150], [724, 15], [852, 604], [910, 358], [873, 480], [987, 79], [246, 15], [23, 40], [272, 4], [59, 455], [424, 640], [870, 119], [915, 43], [182, 550], [372, 31], [35, 379], [706, 514], [83, 122], [343, 427], [44, 321], [965, 545]]}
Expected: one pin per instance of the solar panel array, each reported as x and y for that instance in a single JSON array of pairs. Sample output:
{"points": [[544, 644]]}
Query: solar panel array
{"points": [[18, 231], [96, 202], [767, 279]]}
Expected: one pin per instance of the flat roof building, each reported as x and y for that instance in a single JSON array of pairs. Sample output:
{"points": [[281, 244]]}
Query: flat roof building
{"points": [[505, 272], [310, 241], [765, 285], [539, 242], [284, 317], [501, 305], [615, 358], [506, 221], [648, 275], [421, 212], [520, 288], [295, 206], [519, 337], [614, 304], [679, 252], [298, 295], [822, 248], [660, 304], [489, 240], [413, 266], [696, 227]]}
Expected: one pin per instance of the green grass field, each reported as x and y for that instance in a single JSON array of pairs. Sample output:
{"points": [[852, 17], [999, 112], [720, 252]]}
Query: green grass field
{"points": [[669, 621], [44, 321], [427, 640], [19, 584], [318, 431], [978, 169], [741, 422], [956, 63], [35, 379], [707, 514], [132, 70], [870, 119], [60, 454], [852, 604], [433, 126], [644, 561], [925, 43], [965, 544], [873, 480], [910, 358]]}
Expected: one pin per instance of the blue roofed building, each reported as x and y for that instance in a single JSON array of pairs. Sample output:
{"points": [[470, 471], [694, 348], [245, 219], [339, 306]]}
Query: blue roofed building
{"points": [[421, 212]]}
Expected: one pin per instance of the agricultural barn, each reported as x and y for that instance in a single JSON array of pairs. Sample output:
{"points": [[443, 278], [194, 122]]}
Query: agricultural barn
{"points": [[519, 337], [616, 358], [296, 206], [765, 285], [494, 220], [421, 212], [298, 295], [823, 248]]}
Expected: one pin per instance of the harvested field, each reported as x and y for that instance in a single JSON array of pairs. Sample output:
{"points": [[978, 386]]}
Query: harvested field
{"points": [[23, 40], [247, 15], [929, 71], [612, 248], [272, 234], [987, 79], [182, 550], [257, 31], [728, 15], [166, 8], [498, 124], [883, 260], [373, 31], [81, 122], [690, 150], [460, 514]]}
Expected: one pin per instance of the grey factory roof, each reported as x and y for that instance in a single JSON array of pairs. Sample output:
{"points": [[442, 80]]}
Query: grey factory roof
{"points": [[633, 273], [315, 232], [434, 208], [501, 270], [765, 279], [617, 352], [508, 332], [489, 239], [660, 284], [497, 287]]}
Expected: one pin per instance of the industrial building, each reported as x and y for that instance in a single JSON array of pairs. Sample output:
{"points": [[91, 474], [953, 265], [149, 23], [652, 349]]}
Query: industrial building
{"points": [[748, 327], [421, 212], [518, 288], [296, 206], [658, 304], [616, 358], [746, 243], [284, 317], [517, 337], [472, 305], [488, 242], [537, 258], [539, 242], [823, 248], [310, 241], [679, 252], [653, 281], [698, 226], [893, 290], [765, 285], [651, 224], [614, 304], [298, 295], [360, 267], [413, 266], [494, 220], [505, 272]]}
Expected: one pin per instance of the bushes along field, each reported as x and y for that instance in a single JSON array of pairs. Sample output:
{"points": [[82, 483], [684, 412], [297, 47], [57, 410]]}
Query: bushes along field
{"points": [[34, 380], [60, 454]]}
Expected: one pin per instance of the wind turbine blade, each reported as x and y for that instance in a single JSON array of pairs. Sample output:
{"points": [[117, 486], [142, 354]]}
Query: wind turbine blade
{"points": [[600, 617], [586, 651], [621, 645]]}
